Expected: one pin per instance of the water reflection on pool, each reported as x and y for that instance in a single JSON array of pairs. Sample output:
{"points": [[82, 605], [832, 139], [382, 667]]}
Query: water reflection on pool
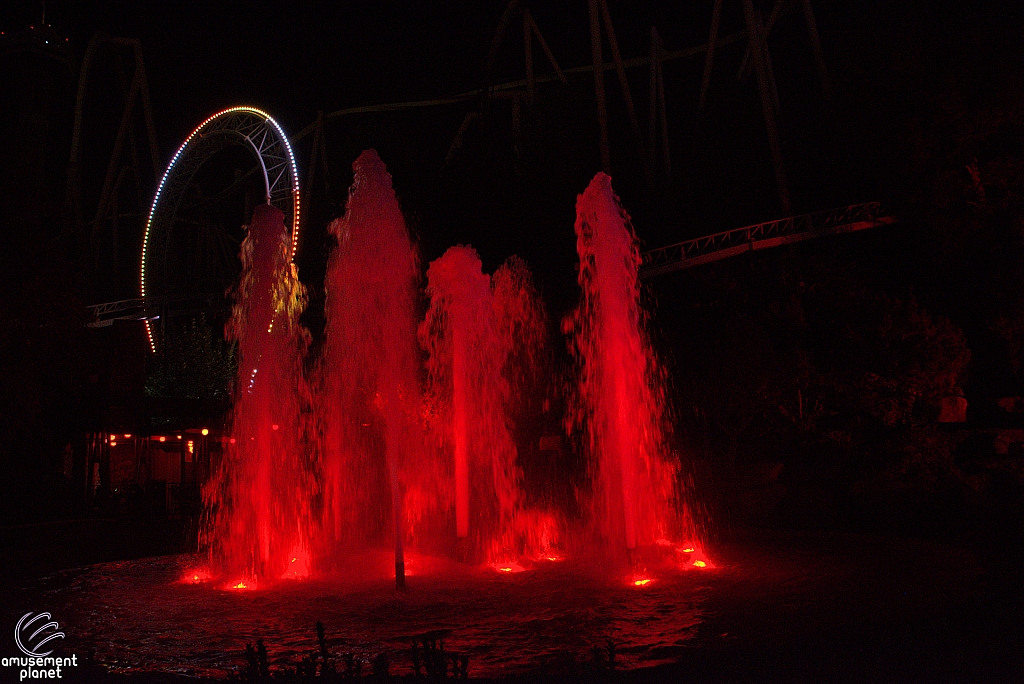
{"points": [[166, 614]]}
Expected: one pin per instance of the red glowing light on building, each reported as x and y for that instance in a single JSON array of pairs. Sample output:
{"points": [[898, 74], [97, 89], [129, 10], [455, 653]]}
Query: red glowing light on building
{"points": [[162, 438]]}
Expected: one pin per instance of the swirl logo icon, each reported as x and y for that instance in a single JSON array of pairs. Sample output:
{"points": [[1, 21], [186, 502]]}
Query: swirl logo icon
{"points": [[31, 636]]}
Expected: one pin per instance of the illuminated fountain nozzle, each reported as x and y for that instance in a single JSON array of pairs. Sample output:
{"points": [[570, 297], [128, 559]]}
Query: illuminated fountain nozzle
{"points": [[691, 556], [508, 568], [298, 565], [196, 576]]}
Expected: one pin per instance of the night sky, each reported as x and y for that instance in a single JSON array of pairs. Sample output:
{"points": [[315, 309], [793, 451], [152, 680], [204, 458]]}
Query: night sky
{"points": [[920, 90], [292, 59], [907, 79]]}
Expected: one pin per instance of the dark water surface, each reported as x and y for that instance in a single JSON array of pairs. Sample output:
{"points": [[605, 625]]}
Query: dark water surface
{"points": [[138, 616], [844, 604]]}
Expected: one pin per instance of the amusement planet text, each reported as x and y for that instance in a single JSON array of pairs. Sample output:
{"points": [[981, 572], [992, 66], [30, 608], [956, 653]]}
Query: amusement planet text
{"points": [[40, 668]]}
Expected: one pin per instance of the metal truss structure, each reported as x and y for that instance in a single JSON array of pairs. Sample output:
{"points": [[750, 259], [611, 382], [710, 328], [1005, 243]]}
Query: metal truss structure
{"points": [[155, 308], [759, 236], [126, 309]]}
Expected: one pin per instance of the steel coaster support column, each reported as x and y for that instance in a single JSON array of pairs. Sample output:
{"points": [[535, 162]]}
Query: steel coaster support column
{"points": [[115, 157], [709, 56], [544, 46], [602, 109], [139, 91], [666, 159], [132, 146], [319, 153], [459, 135], [767, 60], [657, 98], [528, 51], [624, 87], [653, 96], [819, 55], [767, 106], [744, 70], [496, 40]]}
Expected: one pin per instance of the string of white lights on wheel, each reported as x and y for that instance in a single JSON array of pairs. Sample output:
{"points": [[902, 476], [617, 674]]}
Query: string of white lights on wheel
{"points": [[247, 126]]}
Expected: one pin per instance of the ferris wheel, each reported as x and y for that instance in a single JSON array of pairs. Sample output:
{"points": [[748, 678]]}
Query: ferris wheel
{"points": [[248, 127]]}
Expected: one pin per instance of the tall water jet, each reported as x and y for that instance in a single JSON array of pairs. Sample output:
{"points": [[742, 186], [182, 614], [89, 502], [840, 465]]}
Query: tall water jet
{"points": [[526, 376], [621, 403], [460, 318], [259, 520], [369, 367], [466, 335]]}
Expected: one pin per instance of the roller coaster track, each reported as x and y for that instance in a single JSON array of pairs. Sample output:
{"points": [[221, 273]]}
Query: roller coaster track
{"points": [[702, 250]]}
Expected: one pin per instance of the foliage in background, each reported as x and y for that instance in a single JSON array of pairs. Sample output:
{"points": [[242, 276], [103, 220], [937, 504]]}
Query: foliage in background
{"points": [[806, 360], [193, 364]]}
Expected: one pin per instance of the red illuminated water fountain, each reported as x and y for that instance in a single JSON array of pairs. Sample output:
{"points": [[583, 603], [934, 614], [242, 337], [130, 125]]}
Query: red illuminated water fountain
{"points": [[469, 333], [258, 513], [365, 457], [370, 395], [634, 502]]}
